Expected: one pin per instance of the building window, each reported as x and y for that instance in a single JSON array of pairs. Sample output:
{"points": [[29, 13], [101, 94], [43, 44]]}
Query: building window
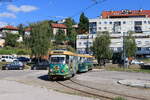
{"points": [[99, 22], [147, 42], [148, 22], [80, 43], [139, 49], [139, 42], [110, 22], [145, 22], [100, 28], [105, 28], [124, 22], [105, 22]]}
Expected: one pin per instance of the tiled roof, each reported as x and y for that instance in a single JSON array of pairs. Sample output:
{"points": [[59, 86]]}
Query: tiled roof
{"points": [[9, 27], [107, 14], [28, 29], [58, 25]]}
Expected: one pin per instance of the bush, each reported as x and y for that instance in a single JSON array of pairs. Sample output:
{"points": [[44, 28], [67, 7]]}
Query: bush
{"points": [[119, 98], [22, 52]]}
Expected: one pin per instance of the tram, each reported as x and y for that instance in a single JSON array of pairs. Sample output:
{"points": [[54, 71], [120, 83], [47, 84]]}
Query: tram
{"points": [[85, 63], [63, 64]]}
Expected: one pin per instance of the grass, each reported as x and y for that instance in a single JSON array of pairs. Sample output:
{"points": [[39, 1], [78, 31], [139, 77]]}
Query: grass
{"points": [[127, 69], [9, 51], [119, 98], [146, 60]]}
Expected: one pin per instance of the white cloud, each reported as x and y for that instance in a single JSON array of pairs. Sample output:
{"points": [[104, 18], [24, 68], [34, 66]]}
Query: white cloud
{"points": [[3, 24], [23, 8], [7, 15]]}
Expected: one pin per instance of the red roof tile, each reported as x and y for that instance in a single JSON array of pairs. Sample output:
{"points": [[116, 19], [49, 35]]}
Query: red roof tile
{"points": [[10, 27], [28, 29], [107, 14], [58, 25]]}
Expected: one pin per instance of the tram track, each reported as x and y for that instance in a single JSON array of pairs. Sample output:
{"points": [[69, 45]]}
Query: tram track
{"points": [[92, 91]]}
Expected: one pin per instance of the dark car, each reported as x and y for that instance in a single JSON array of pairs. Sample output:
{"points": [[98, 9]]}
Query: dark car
{"points": [[23, 59], [14, 65], [42, 64]]}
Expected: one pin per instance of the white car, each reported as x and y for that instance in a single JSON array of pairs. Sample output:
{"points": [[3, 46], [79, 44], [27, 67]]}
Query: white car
{"points": [[7, 58], [137, 62]]}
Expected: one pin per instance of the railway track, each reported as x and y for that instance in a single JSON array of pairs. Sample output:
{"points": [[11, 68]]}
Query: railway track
{"points": [[92, 91]]}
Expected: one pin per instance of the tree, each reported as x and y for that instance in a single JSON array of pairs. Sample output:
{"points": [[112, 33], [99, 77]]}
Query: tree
{"points": [[21, 30], [101, 48], [83, 24], [60, 37], [11, 39], [130, 45], [40, 38], [71, 32]]}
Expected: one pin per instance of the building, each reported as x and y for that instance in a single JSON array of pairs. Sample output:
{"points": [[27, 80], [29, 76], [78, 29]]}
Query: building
{"points": [[56, 27], [9, 29], [118, 23]]}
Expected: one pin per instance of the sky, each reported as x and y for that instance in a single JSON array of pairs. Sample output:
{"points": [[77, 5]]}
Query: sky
{"points": [[28, 11]]}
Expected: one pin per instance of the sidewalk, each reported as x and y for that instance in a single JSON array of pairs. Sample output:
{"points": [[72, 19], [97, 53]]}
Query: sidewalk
{"points": [[10, 90], [136, 83]]}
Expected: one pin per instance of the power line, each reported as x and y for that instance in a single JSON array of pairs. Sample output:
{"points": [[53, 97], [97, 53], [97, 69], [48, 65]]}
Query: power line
{"points": [[96, 2]]}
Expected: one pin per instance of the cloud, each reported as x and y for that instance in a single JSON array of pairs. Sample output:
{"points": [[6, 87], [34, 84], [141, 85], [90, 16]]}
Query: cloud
{"points": [[3, 24], [7, 15], [23, 8]]}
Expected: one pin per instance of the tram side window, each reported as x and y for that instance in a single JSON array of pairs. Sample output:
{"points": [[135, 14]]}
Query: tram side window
{"points": [[67, 59]]}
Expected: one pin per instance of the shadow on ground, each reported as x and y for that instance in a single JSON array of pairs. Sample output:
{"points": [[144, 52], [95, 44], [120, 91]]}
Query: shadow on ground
{"points": [[46, 78]]}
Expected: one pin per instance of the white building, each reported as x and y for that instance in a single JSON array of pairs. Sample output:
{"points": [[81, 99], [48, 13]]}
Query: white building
{"points": [[118, 23]]}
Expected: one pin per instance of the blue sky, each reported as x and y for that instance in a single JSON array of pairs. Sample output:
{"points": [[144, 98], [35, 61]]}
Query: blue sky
{"points": [[27, 11]]}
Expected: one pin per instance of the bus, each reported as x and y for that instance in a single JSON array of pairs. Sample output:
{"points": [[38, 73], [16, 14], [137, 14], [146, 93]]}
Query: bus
{"points": [[63, 64]]}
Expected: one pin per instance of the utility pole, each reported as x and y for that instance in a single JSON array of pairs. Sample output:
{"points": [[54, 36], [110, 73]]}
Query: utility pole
{"points": [[125, 61]]}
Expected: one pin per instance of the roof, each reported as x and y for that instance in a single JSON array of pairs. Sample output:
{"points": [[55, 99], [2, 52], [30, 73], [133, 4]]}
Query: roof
{"points": [[9, 27], [54, 25], [28, 29], [126, 13]]}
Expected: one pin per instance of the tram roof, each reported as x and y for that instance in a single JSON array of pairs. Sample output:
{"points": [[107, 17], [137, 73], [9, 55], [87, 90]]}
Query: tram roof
{"points": [[61, 52], [85, 55]]}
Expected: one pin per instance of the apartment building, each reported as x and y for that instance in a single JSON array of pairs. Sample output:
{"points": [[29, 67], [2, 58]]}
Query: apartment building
{"points": [[118, 23]]}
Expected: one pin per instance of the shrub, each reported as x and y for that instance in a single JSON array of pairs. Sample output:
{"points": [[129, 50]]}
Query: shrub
{"points": [[119, 98]]}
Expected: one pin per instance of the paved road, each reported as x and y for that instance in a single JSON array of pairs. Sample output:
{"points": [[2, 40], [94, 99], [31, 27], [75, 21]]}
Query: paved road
{"points": [[105, 80]]}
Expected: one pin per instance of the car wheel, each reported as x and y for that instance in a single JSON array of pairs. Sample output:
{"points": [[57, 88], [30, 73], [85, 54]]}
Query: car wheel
{"points": [[20, 68], [3, 61], [34, 68]]}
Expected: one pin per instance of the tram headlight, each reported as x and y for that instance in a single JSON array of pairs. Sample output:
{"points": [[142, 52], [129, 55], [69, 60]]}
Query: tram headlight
{"points": [[51, 70]]}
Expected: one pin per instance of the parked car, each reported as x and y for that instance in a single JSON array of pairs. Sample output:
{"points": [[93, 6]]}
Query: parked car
{"points": [[137, 62], [23, 59], [7, 58], [42, 64], [14, 65]]}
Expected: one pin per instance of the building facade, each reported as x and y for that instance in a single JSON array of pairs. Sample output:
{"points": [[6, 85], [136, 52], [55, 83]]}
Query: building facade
{"points": [[119, 23]]}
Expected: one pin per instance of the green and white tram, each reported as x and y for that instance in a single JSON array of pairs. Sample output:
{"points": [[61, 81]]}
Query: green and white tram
{"points": [[63, 64]]}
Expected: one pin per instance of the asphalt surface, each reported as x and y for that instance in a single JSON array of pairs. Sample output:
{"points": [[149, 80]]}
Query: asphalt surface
{"points": [[101, 79]]}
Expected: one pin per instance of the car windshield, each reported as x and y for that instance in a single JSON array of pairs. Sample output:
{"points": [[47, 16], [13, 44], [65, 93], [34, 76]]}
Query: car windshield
{"points": [[57, 60]]}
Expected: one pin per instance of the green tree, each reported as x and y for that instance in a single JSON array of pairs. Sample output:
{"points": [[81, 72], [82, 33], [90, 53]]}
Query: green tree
{"points": [[101, 48], [83, 24], [71, 32], [130, 45], [40, 38], [11, 39], [21, 30], [60, 37]]}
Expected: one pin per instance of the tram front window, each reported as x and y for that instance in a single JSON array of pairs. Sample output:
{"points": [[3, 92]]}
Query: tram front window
{"points": [[58, 60]]}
